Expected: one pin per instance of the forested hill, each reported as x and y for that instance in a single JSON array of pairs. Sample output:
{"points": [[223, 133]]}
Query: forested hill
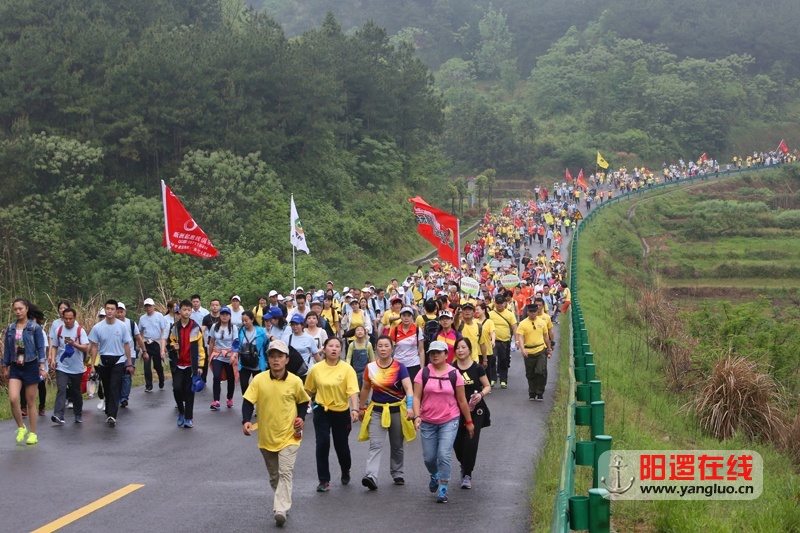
{"points": [[101, 99]]}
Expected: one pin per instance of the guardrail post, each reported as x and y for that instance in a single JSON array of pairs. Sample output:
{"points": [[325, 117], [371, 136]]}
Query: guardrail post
{"points": [[598, 418], [590, 373], [588, 356], [584, 453], [602, 443], [599, 511], [583, 415], [595, 389], [583, 393], [580, 375]]}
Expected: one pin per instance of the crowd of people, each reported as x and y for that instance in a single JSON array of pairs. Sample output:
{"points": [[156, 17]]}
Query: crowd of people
{"points": [[417, 356]]}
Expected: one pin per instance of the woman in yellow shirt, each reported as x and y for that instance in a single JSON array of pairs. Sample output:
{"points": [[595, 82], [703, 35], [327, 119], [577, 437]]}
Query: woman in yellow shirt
{"points": [[336, 387]]}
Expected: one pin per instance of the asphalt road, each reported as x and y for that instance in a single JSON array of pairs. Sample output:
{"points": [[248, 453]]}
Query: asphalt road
{"points": [[212, 478]]}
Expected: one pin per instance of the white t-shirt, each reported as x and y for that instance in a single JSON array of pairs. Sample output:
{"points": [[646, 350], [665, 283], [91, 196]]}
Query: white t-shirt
{"points": [[111, 338], [406, 349], [74, 363], [320, 337]]}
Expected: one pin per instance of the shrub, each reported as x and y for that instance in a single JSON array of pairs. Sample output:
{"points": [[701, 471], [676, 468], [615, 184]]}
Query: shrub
{"points": [[788, 219], [737, 398]]}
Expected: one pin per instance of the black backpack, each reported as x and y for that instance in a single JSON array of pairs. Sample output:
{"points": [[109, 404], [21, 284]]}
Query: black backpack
{"points": [[430, 330], [297, 365]]}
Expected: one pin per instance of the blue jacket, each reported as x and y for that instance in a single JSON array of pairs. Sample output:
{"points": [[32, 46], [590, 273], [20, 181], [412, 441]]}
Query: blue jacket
{"points": [[31, 339], [262, 345]]}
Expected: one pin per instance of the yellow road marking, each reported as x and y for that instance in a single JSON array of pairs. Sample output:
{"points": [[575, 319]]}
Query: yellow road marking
{"points": [[88, 509]]}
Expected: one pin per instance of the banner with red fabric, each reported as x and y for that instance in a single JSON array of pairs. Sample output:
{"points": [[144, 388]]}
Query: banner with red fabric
{"points": [[181, 233], [439, 228], [783, 147], [582, 181], [569, 177]]}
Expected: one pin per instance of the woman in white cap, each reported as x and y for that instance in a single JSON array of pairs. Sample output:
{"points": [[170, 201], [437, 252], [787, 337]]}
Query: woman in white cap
{"points": [[221, 348], [408, 340], [236, 311], [439, 401]]}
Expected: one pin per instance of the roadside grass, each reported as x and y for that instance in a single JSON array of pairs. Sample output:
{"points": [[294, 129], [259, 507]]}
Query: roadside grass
{"points": [[641, 413]]}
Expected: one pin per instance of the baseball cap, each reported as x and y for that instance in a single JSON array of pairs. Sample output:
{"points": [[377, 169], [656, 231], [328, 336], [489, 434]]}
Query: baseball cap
{"points": [[297, 318], [396, 299], [225, 309], [468, 305], [499, 299], [236, 297], [281, 298], [102, 313], [278, 345], [445, 314], [407, 310], [197, 383], [437, 346], [274, 312], [149, 301], [328, 282], [299, 289], [346, 289], [273, 293], [120, 305], [532, 307]]}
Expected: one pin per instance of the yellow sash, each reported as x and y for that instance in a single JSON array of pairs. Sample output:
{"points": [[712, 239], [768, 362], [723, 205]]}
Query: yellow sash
{"points": [[409, 433]]}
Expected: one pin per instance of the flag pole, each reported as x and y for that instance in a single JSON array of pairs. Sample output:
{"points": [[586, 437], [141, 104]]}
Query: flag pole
{"points": [[170, 287], [294, 271]]}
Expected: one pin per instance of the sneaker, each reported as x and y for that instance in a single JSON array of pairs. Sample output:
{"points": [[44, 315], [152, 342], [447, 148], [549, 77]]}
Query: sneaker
{"points": [[24, 413], [32, 438], [101, 405], [188, 423], [280, 518], [55, 420], [69, 405], [215, 406], [492, 384], [181, 420], [41, 411], [111, 421], [230, 404], [148, 389], [21, 432], [441, 497], [346, 478], [399, 481], [532, 398], [323, 486], [503, 385], [160, 385], [369, 483], [540, 397], [466, 482], [79, 419], [434, 482]]}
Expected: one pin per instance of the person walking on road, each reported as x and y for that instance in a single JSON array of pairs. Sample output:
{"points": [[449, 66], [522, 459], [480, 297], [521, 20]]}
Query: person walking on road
{"points": [[476, 388], [505, 324], [251, 359], [138, 347], [438, 400], [390, 412], [533, 339], [112, 340], [409, 341], [24, 365], [489, 333], [153, 327], [69, 345], [336, 387], [281, 394], [186, 338], [220, 347]]}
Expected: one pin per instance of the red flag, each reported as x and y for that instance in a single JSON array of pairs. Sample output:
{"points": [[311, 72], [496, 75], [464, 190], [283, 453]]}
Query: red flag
{"points": [[439, 228], [582, 181], [569, 177], [703, 158], [783, 147], [182, 234]]}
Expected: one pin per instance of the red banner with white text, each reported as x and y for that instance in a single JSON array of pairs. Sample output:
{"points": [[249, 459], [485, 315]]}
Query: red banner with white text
{"points": [[181, 233], [439, 228]]}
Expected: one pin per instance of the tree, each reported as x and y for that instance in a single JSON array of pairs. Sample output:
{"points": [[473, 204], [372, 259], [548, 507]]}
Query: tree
{"points": [[496, 43], [490, 174], [481, 182], [461, 188], [452, 193]]}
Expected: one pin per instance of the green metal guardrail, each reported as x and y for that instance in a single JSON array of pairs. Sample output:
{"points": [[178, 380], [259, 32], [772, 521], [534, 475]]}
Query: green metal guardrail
{"points": [[584, 401]]}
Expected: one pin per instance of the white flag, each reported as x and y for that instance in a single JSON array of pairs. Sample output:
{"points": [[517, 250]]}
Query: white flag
{"points": [[297, 236]]}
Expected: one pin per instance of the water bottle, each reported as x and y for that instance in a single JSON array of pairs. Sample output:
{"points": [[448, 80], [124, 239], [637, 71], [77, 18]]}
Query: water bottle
{"points": [[297, 433], [474, 399]]}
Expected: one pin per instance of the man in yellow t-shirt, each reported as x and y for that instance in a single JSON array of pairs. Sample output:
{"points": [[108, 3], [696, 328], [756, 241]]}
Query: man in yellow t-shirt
{"points": [[470, 329], [505, 323], [532, 336], [281, 394]]}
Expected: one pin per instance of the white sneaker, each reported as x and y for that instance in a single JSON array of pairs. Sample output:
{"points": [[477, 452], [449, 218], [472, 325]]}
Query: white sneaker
{"points": [[69, 405], [101, 405]]}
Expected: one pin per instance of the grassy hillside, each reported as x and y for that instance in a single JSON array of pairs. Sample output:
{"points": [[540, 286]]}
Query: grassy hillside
{"points": [[656, 350]]}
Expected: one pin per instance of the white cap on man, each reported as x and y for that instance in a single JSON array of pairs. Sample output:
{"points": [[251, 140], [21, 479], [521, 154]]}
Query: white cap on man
{"points": [[149, 301]]}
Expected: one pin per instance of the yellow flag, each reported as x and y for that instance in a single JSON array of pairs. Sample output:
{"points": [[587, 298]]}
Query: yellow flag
{"points": [[602, 163]]}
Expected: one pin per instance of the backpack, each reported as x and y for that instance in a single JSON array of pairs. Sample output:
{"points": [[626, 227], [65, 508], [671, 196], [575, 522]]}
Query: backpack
{"points": [[480, 330], [430, 329], [426, 375], [61, 327], [297, 365]]}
